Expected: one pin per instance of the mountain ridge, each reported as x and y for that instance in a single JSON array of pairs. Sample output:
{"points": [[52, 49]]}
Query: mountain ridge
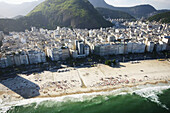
{"points": [[114, 14], [137, 11], [52, 13], [26, 7], [72, 13]]}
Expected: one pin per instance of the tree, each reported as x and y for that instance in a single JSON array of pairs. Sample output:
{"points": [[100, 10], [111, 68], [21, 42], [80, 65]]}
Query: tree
{"points": [[114, 61], [108, 62]]}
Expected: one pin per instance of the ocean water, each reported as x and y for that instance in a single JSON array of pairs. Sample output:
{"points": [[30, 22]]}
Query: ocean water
{"points": [[140, 99]]}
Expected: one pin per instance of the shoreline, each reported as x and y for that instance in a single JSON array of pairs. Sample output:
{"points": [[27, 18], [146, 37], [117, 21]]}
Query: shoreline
{"points": [[154, 86], [96, 79], [106, 89], [78, 96]]}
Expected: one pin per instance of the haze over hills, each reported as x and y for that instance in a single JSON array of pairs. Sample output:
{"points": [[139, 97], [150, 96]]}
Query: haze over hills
{"points": [[11, 10], [136, 11], [70, 13], [17, 17], [53, 13]]}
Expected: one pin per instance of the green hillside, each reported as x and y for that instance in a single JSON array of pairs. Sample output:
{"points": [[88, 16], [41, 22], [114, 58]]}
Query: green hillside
{"points": [[52, 13], [114, 14], [7, 25], [70, 13], [161, 17]]}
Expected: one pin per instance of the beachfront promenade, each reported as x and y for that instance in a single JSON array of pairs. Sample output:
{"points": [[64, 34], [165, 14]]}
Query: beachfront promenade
{"points": [[83, 80]]}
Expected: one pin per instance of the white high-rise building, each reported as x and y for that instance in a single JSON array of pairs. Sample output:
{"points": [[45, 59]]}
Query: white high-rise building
{"points": [[1, 37], [17, 59], [86, 50], [54, 53], [80, 48], [3, 62]]}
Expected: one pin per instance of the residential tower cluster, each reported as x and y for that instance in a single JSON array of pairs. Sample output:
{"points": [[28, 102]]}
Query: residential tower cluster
{"points": [[33, 47]]}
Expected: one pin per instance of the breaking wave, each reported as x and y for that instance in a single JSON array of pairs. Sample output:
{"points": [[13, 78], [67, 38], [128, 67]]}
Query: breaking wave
{"points": [[150, 92]]}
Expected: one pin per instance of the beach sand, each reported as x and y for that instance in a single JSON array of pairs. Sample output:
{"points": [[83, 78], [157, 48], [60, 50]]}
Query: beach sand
{"points": [[84, 80]]}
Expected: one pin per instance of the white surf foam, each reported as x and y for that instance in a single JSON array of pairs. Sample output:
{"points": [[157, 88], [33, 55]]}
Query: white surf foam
{"points": [[152, 93], [147, 91]]}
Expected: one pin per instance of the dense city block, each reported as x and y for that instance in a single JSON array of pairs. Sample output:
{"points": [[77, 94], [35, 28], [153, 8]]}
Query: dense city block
{"points": [[35, 46]]}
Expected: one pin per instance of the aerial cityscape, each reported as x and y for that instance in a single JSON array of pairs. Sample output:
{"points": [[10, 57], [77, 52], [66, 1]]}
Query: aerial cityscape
{"points": [[32, 47], [72, 56]]}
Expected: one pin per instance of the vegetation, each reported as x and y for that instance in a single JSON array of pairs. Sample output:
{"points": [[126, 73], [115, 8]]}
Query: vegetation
{"points": [[70, 13], [161, 17], [53, 13], [7, 25], [109, 62], [114, 14]]}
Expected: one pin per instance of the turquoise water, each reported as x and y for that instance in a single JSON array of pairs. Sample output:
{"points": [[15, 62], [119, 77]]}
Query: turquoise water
{"points": [[147, 100]]}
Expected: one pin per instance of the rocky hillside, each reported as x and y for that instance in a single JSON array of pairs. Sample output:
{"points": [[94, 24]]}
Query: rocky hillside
{"points": [[69, 13], [52, 13]]}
